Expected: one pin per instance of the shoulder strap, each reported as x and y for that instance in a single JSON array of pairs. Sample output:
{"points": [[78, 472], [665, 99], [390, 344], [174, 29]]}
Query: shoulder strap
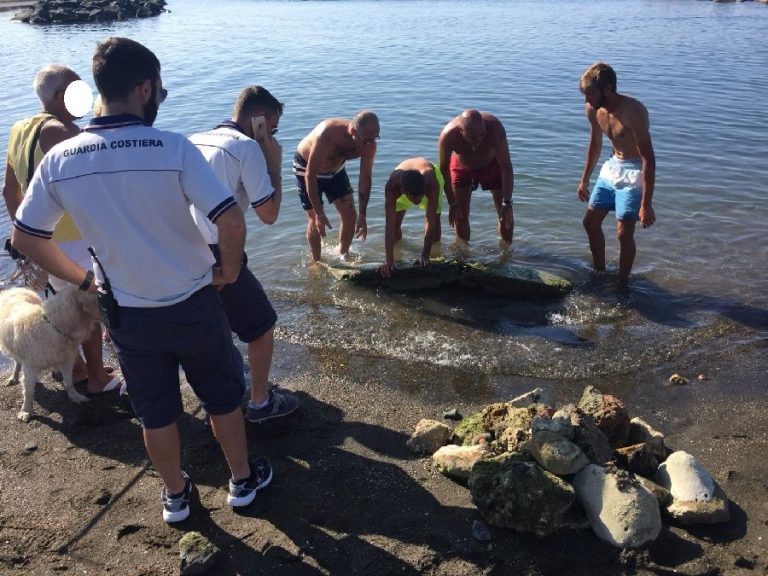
{"points": [[31, 157]]}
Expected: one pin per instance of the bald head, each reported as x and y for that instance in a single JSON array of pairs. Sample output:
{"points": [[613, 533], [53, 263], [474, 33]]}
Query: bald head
{"points": [[366, 126], [472, 126], [52, 79], [366, 119]]}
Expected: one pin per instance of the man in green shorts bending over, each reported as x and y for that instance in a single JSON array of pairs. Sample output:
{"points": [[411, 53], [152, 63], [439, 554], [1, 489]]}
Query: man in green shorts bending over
{"points": [[626, 180], [415, 182]]}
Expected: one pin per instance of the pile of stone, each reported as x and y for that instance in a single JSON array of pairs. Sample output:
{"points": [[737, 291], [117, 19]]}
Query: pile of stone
{"points": [[535, 469], [78, 11]]}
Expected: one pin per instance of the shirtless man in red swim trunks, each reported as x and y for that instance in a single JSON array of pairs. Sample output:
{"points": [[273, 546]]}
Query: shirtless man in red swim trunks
{"points": [[473, 151]]}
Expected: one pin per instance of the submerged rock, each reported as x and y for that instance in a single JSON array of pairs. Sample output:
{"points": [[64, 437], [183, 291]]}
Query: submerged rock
{"points": [[511, 492]]}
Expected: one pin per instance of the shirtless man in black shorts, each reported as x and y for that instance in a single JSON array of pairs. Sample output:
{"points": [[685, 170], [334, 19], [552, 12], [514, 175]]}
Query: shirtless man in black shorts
{"points": [[319, 168]]}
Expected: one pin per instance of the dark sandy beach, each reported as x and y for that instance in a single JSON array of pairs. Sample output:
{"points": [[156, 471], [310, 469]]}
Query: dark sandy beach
{"points": [[78, 497]]}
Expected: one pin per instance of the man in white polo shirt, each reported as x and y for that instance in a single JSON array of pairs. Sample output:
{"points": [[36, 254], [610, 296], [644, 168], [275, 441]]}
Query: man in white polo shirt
{"points": [[128, 188], [246, 158]]}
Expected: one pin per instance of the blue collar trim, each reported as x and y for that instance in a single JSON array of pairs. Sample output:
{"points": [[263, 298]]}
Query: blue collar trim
{"points": [[114, 121]]}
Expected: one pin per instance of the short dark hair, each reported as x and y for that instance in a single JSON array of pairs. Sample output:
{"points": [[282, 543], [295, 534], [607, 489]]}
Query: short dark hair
{"points": [[412, 182], [119, 64], [254, 97]]}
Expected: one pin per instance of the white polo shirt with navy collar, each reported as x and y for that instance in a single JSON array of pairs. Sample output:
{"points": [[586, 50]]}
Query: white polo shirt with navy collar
{"points": [[239, 164], [128, 188]]}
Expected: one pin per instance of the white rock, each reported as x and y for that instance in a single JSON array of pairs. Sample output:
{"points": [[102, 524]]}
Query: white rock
{"points": [[429, 436], [685, 478], [457, 461], [642, 432], [620, 510]]}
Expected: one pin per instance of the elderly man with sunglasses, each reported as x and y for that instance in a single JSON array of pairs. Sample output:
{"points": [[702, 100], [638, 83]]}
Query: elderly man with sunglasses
{"points": [[246, 158], [473, 151], [319, 166]]}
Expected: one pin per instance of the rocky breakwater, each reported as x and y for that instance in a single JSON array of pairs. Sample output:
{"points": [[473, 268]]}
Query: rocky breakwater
{"points": [[80, 11], [532, 468]]}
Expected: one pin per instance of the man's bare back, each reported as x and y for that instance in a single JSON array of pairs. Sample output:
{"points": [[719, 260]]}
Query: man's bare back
{"points": [[337, 144]]}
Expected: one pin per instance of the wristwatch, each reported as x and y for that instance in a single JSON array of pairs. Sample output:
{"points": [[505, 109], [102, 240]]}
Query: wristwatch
{"points": [[87, 281], [506, 202]]}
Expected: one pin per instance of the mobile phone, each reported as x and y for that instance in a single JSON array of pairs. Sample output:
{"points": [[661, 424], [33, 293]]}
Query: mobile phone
{"points": [[259, 124]]}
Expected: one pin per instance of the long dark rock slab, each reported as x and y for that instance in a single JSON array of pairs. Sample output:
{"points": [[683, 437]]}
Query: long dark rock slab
{"points": [[514, 281], [81, 11]]}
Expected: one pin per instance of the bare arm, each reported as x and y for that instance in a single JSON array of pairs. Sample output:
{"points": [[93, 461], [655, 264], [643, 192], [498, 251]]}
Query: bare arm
{"points": [[432, 219], [47, 254], [391, 193], [231, 227], [364, 189], [645, 149], [593, 152], [320, 148], [11, 191], [444, 164], [505, 164], [273, 155]]}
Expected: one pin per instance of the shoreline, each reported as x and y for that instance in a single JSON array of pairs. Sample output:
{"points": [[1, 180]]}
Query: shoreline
{"points": [[348, 497]]}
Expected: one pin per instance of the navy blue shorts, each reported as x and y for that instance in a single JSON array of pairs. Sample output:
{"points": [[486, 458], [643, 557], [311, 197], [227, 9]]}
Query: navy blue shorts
{"points": [[248, 309], [152, 343], [334, 186]]}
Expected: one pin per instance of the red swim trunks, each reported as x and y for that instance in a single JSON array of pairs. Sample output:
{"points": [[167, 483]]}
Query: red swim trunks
{"points": [[462, 177]]}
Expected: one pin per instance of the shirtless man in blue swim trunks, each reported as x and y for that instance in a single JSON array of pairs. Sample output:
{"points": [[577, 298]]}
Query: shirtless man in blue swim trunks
{"points": [[319, 166], [626, 180], [415, 182]]}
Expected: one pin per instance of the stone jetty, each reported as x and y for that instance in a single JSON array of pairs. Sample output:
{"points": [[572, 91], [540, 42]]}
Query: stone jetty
{"points": [[80, 11]]}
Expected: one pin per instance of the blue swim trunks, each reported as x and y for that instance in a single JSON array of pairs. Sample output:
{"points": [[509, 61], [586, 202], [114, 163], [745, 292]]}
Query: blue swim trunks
{"points": [[619, 187]]}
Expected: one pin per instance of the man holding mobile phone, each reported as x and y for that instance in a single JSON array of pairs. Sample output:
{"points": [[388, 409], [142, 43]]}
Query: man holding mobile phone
{"points": [[246, 158]]}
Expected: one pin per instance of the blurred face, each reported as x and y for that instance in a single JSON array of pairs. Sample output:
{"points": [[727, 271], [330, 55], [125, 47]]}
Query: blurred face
{"points": [[595, 97], [473, 133], [366, 135], [157, 97]]}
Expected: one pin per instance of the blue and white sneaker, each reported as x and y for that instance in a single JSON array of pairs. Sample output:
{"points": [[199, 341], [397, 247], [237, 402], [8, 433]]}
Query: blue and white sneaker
{"points": [[176, 506], [243, 492], [280, 403]]}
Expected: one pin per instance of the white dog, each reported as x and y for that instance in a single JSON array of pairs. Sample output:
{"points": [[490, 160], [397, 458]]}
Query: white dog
{"points": [[39, 334]]}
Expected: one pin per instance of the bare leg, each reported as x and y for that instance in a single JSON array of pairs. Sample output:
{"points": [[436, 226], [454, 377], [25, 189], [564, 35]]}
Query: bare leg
{"points": [[260, 360], [163, 447], [98, 377], [625, 230], [593, 224], [463, 196], [504, 232], [80, 370], [346, 208], [313, 237], [229, 430]]}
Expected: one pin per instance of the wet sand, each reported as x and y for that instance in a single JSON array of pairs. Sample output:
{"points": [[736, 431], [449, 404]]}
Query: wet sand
{"points": [[348, 497]]}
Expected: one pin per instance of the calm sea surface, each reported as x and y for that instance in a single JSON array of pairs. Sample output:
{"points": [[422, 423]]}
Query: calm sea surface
{"points": [[700, 68]]}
